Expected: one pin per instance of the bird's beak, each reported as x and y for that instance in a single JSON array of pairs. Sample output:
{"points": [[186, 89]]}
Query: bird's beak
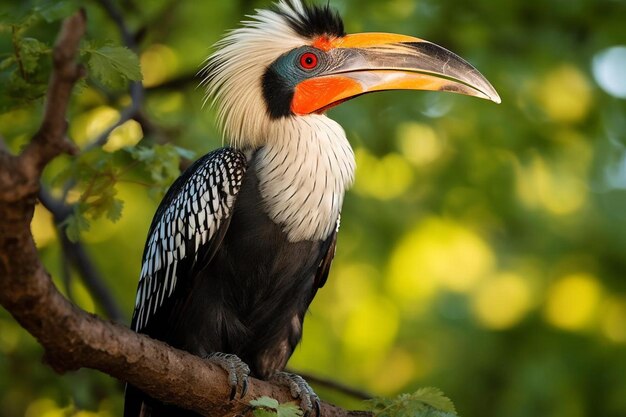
{"points": [[367, 62]]}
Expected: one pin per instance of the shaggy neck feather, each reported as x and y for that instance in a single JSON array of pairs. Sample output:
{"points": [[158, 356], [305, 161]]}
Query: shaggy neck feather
{"points": [[304, 170]]}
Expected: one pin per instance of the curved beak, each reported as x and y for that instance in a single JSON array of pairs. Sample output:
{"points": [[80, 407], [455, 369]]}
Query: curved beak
{"points": [[367, 62]]}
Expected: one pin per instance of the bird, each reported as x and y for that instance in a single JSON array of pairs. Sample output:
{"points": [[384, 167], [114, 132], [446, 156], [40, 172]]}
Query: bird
{"points": [[245, 237]]}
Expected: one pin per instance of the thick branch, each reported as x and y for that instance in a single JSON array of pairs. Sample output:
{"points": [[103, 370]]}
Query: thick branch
{"points": [[71, 337]]}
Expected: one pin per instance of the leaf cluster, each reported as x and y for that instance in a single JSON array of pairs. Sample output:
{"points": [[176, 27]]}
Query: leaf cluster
{"points": [[25, 50], [93, 177], [425, 402]]}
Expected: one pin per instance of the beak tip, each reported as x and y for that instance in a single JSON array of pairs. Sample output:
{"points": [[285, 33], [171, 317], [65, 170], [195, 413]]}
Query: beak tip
{"points": [[492, 95]]}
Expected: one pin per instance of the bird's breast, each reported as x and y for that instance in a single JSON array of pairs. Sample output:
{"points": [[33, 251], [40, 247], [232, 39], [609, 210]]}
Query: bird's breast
{"points": [[303, 175]]}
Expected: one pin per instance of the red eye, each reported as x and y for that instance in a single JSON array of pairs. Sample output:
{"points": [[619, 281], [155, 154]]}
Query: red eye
{"points": [[308, 60]]}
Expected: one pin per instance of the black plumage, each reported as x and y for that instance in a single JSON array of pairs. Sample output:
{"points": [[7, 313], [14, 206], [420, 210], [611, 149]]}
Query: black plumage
{"points": [[229, 294], [316, 20]]}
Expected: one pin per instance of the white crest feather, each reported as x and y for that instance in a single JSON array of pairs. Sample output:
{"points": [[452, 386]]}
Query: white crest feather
{"points": [[234, 72]]}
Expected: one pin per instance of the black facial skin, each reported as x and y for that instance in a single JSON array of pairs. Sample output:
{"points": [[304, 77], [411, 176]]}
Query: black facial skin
{"points": [[284, 74]]}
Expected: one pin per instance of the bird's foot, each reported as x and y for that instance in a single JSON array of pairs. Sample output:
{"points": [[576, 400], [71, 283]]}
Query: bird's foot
{"points": [[309, 401], [238, 371]]}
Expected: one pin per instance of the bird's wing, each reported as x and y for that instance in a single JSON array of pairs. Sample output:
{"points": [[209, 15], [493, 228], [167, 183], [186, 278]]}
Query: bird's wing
{"points": [[187, 227], [324, 267]]}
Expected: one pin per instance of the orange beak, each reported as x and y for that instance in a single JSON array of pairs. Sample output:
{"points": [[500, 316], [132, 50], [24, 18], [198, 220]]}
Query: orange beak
{"points": [[368, 62]]}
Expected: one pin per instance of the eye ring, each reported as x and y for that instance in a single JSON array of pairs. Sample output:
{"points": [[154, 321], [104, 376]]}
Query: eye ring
{"points": [[309, 61]]}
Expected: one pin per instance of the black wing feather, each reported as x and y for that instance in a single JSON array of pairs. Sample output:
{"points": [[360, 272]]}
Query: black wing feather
{"points": [[187, 226], [329, 254]]}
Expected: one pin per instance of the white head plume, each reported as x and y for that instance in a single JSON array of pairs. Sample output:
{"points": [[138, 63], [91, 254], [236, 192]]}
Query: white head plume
{"points": [[233, 73]]}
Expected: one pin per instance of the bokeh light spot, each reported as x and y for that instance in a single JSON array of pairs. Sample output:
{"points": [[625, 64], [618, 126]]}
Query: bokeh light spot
{"points": [[572, 301], [419, 143], [553, 187], [382, 178], [9, 336], [395, 372], [438, 252], [501, 302], [565, 95], [87, 126], [608, 70], [614, 320], [158, 63], [371, 327], [42, 227], [128, 134], [43, 407]]}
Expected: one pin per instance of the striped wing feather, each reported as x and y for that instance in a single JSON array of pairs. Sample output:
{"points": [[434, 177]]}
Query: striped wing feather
{"points": [[185, 228]]}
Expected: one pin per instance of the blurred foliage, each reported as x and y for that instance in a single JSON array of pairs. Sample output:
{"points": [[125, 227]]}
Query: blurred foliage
{"points": [[483, 247]]}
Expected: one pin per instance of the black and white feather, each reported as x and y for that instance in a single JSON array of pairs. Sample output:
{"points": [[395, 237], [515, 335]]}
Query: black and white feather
{"points": [[188, 219]]}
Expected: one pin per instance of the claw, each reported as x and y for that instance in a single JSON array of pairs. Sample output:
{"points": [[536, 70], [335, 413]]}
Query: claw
{"points": [[299, 388], [244, 388], [237, 370]]}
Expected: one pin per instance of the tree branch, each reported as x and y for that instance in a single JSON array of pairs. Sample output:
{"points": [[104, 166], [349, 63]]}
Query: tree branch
{"points": [[71, 337]]}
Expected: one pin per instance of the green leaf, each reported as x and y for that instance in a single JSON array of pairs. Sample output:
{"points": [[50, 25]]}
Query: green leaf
{"points": [[7, 62], [185, 153], [162, 162], [53, 10], [435, 398], [269, 407], [266, 402], [264, 412], [76, 224], [289, 410], [114, 211], [30, 51], [113, 65]]}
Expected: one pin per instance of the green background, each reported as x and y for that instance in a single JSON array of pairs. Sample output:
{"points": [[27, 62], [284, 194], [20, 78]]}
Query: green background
{"points": [[482, 248]]}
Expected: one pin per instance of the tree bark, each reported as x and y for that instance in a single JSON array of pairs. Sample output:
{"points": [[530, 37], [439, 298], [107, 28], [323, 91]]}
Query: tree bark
{"points": [[71, 337]]}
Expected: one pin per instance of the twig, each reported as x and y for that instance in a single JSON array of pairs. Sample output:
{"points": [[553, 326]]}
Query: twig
{"points": [[66, 272], [136, 94], [118, 19], [335, 386], [161, 21], [176, 83], [91, 277]]}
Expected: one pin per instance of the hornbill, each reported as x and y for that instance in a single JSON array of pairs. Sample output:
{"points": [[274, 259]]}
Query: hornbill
{"points": [[245, 237]]}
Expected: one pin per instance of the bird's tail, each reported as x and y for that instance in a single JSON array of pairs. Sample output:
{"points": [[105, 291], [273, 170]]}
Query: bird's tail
{"points": [[135, 404]]}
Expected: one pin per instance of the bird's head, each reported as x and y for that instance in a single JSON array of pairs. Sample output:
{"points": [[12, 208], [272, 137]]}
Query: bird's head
{"points": [[296, 60]]}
